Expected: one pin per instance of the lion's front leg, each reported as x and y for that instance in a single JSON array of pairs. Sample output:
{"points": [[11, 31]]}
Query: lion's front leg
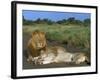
{"points": [[29, 59]]}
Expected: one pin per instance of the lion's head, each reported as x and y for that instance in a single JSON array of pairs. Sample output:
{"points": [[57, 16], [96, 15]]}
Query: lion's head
{"points": [[36, 43], [39, 39]]}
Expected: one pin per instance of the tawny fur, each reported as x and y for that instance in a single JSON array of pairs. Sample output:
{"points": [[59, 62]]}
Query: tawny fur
{"points": [[35, 44], [59, 54]]}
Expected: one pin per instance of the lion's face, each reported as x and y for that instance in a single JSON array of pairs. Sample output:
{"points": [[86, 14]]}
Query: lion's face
{"points": [[39, 39]]}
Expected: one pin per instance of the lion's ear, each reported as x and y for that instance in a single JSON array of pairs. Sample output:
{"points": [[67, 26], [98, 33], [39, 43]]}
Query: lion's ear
{"points": [[32, 33], [43, 33], [35, 32]]}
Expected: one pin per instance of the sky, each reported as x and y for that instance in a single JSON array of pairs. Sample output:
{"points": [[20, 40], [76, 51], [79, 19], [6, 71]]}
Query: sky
{"points": [[54, 16]]}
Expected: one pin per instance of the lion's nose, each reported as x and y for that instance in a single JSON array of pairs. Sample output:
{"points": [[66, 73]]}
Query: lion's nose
{"points": [[39, 44]]}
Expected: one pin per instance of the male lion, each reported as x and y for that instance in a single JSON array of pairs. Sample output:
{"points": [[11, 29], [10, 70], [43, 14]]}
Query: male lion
{"points": [[35, 44]]}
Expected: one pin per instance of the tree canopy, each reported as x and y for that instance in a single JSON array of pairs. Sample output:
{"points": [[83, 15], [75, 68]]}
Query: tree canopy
{"points": [[69, 21]]}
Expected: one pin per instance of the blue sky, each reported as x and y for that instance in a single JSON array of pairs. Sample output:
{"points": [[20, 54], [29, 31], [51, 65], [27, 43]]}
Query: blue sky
{"points": [[54, 16]]}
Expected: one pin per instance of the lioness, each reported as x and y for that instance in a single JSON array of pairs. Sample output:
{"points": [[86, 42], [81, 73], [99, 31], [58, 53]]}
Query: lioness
{"points": [[80, 58], [35, 44], [57, 54]]}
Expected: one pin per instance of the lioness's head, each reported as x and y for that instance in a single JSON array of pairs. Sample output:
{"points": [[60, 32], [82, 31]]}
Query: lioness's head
{"points": [[39, 39]]}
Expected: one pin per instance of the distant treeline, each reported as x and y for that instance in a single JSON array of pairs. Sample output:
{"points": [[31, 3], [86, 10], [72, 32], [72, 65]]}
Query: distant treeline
{"points": [[69, 21]]}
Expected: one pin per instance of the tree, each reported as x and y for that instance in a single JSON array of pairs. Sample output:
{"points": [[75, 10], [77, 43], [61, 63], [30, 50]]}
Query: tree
{"points": [[37, 21], [87, 22], [61, 21], [27, 22], [47, 21], [78, 22], [71, 20]]}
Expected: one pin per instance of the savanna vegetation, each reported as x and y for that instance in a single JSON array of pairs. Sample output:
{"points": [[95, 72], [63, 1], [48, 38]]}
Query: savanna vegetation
{"points": [[67, 31]]}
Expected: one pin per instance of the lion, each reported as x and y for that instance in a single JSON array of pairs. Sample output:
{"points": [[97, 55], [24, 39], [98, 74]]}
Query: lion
{"points": [[54, 54], [58, 54], [80, 57], [48, 56], [35, 44]]}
